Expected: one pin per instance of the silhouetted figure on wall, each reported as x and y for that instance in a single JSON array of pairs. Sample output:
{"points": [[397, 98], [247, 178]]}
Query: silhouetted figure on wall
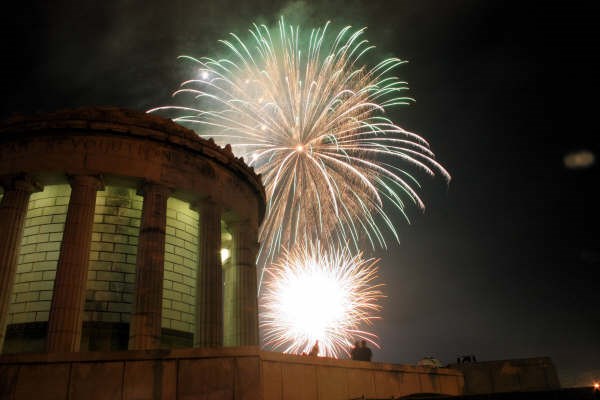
{"points": [[363, 353], [315, 350], [466, 359]]}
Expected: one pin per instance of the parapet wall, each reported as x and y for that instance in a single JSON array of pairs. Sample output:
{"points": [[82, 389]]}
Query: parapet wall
{"points": [[517, 375], [290, 377], [233, 373]]}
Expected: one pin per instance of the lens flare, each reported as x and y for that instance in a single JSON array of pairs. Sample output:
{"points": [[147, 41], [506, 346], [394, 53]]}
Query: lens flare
{"points": [[312, 294], [310, 115]]}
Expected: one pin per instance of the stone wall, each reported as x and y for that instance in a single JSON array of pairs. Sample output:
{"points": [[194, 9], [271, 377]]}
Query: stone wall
{"points": [[111, 276], [229, 373], [517, 375], [181, 263], [113, 257], [40, 248], [291, 377]]}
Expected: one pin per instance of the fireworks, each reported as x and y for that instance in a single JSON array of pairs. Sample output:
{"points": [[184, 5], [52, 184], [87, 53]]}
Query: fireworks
{"points": [[316, 294], [309, 115]]}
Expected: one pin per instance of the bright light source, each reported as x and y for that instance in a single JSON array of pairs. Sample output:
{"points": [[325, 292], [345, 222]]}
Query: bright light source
{"points": [[299, 148], [226, 236], [579, 159], [316, 295], [225, 253], [204, 75]]}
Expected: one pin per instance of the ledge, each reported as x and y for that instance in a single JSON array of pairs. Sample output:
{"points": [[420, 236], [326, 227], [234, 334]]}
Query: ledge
{"points": [[249, 351]]}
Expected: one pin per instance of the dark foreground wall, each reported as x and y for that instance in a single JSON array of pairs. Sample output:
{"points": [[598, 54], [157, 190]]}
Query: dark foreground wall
{"points": [[577, 393], [229, 373], [529, 374]]}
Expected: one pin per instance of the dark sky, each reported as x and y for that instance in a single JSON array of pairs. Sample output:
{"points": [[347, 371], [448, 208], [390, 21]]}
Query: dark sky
{"points": [[504, 262]]}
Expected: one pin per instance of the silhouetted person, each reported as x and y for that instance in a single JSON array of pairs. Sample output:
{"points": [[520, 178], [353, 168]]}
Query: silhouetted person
{"points": [[363, 353], [315, 350], [354, 351]]}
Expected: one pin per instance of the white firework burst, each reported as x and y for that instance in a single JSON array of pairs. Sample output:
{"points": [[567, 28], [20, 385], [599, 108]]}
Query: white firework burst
{"points": [[313, 294]]}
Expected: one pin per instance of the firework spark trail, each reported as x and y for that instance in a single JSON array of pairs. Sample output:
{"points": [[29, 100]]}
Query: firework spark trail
{"points": [[311, 119], [315, 294]]}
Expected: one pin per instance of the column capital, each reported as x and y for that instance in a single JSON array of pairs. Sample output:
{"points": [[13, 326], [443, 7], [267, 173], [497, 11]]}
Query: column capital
{"points": [[22, 182], [240, 225], [207, 203], [147, 187], [245, 228], [96, 181]]}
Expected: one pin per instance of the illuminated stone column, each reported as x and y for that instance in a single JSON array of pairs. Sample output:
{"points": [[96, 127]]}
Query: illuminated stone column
{"points": [[66, 311], [145, 326], [209, 284], [13, 209], [242, 323]]}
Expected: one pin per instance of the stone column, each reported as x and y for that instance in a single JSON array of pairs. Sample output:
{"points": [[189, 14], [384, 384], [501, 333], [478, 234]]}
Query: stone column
{"points": [[243, 323], [66, 311], [13, 210], [145, 326], [209, 283]]}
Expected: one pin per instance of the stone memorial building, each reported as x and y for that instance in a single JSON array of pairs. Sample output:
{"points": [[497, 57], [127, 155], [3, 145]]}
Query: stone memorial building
{"points": [[127, 270], [120, 220]]}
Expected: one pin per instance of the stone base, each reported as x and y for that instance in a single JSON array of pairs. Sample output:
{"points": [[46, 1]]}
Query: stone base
{"points": [[96, 336], [227, 373]]}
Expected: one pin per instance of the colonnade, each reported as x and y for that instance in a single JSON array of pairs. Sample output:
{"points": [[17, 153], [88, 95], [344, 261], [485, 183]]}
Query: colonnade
{"points": [[66, 312]]}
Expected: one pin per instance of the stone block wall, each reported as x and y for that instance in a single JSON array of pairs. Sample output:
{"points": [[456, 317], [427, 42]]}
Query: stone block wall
{"points": [[516, 375], [111, 274], [289, 377], [181, 263], [40, 248], [228, 373]]}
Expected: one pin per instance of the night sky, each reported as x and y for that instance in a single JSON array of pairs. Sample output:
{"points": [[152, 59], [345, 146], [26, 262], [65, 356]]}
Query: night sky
{"points": [[504, 262]]}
